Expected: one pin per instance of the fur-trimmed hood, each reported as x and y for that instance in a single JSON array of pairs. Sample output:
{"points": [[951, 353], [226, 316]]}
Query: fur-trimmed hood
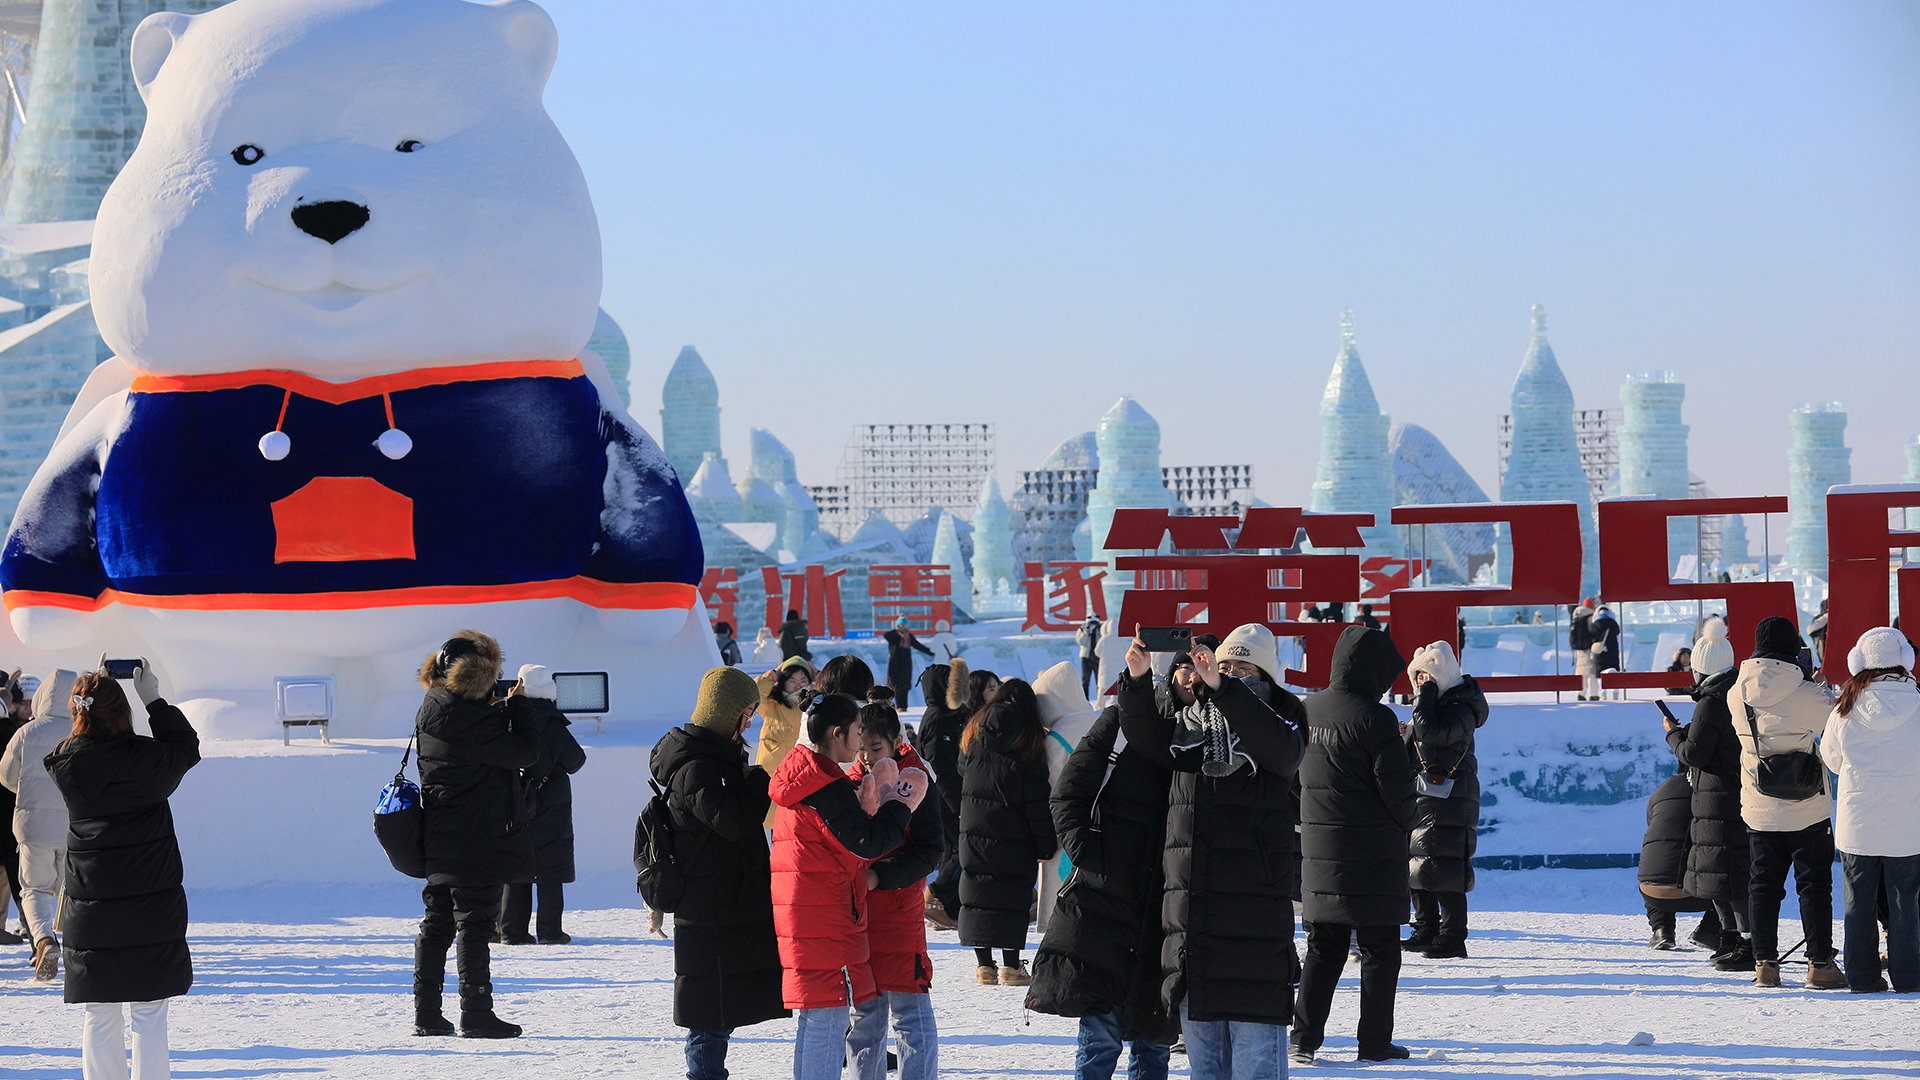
{"points": [[469, 676], [957, 684]]}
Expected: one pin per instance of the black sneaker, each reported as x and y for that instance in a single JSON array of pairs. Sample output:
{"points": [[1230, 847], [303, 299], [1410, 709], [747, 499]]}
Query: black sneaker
{"points": [[1662, 939], [487, 1026], [431, 1023], [1389, 1052], [1740, 959], [558, 937]]}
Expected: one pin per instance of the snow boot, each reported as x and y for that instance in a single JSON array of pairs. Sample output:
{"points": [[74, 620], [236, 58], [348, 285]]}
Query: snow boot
{"points": [[557, 937], [476, 991], [1389, 1052], [1825, 975], [1739, 958], [1766, 973], [1299, 1055], [1707, 934], [46, 959], [1876, 986], [1420, 940], [988, 975], [936, 913], [1662, 938], [1016, 976], [429, 982], [1446, 948], [485, 1025]]}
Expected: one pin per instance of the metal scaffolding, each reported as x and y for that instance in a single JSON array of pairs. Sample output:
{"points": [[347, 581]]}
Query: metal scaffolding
{"points": [[1210, 489], [902, 469], [1044, 511]]}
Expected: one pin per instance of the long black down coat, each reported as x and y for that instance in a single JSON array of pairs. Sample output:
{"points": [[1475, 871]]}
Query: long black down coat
{"points": [[478, 830], [1446, 831], [1102, 949], [1006, 828], [726, 961], [1228, 907], [1356, 791], [549, 785], [1663, 851], [1719, 858], [937, 740], [124, 912]]}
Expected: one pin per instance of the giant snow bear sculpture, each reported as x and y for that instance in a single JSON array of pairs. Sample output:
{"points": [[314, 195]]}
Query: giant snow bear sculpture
{"points": [[348, 276]]}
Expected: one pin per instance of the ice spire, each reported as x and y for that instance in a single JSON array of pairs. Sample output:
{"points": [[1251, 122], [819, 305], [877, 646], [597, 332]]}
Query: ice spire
{"points": [[946, 551], [690, 417], [1355, 474], [992, 537], [1543, 462]]}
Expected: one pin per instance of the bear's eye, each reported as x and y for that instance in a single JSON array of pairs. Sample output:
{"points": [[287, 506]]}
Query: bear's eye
{"points": [[408, 146], [248, 154]]}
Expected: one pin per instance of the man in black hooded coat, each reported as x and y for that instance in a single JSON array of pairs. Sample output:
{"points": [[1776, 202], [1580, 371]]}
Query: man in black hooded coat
{"points": [[1357, 808], [1100, 960]]}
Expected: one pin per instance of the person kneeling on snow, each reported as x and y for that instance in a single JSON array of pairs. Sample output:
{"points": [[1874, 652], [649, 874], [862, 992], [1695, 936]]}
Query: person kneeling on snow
{"points": [[1663, 864], [896, 926], [822, 844]]}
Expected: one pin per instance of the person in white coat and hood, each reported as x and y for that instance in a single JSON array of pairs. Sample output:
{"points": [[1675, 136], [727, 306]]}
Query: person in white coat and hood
{"points": [[1873, 745], [1778, 709], [40, 816], [1068, 717]]}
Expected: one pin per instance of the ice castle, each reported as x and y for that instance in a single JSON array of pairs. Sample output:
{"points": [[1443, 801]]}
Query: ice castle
{"points": [[1817, 459], [1355, 474], [1129, 448], [1544, 462], [1653, 451]]}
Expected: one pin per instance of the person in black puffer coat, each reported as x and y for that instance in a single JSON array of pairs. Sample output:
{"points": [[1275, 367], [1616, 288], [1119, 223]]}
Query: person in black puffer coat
{"points": [[937, 741], [1663, 865], [1234, 739], [478, 831], [1448, 710], [549, 785], [1100, 960], [726, 960], [124, 912], [1357, 807], [1006, 828], [1719, 859]]}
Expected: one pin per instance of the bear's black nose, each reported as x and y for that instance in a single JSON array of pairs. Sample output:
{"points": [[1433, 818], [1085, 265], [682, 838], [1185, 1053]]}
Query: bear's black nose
{"points": [[330, 221]]}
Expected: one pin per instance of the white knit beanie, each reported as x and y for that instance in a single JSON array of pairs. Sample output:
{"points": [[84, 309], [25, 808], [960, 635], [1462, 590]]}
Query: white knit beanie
{"points": [[1438, 661], [1254, 643], [537, 681], [1880, 647], [1713, 653]]}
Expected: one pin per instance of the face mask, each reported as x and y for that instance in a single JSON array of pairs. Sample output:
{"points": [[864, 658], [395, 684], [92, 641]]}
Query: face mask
{"points": [[1258, 684]]}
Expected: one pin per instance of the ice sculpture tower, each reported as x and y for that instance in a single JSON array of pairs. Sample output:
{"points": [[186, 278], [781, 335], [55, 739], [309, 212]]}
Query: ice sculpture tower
{"points": [[1653, 451], [796, 513], [1817, 459], [992, 537], [1355, 474], [1733, 541], [689, 414], [609, 343], [1544, 461], [1129, 441], [946, 552]]}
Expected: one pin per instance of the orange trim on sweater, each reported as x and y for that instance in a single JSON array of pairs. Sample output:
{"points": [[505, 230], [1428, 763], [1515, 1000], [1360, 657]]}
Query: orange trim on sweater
{"points": [[637, 596], [341, 393]]}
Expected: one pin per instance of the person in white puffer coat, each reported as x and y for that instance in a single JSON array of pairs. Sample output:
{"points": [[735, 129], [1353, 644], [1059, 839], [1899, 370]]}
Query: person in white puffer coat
{"points": [[1779, 709], [40, 816], [1068, 717], [1873, 744]]}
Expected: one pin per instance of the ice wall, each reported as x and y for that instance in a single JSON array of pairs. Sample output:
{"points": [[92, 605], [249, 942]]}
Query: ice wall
{"points": [[1544, 462], [1653, 450], [690, 414], [1817, 459], [1355, 473]]}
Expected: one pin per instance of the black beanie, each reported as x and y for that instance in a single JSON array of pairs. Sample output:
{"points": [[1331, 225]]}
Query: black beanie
{"points": [[1777, 635]]}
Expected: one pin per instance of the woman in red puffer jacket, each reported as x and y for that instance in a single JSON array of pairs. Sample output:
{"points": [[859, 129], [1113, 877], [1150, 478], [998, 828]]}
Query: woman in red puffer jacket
{"points": [[821, 849], [896, 916]]}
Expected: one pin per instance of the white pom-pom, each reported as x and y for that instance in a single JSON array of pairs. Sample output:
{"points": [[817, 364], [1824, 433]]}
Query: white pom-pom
{"points": [[394, 443], [275, 445]]}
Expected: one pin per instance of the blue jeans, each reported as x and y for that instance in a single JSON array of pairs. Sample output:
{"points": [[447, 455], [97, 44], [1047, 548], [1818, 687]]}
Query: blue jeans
{"points": [[707, 1054], [913, 1034], [1100, 1051], [1230, 1050], [820, 1046], [1861, 879]]}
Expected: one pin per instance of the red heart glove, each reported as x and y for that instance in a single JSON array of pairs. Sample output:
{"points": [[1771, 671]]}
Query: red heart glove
{"points": [[911, 787]]}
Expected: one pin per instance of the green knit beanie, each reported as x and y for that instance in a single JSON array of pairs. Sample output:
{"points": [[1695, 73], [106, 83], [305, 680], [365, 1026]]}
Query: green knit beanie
{"points": [[725, 693]]}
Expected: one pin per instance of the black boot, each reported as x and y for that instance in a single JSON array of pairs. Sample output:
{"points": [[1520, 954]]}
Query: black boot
{"points": [[476, 992], [1446, 948], [1662, 924], [1420, 940], [429, 982], [1707, 934], [1739, 959]]}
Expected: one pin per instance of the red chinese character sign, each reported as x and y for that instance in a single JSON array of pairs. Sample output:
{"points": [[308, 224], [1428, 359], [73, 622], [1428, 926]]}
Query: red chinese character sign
{"points": [[1634, 561], [720, 591], [1859, 543], [812, 591], [921, 594], [1060, 595], [1546, 570]]}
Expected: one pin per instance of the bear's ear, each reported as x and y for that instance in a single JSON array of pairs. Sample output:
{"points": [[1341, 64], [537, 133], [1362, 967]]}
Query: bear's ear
{"points": [[153, 42], [530, 32]]}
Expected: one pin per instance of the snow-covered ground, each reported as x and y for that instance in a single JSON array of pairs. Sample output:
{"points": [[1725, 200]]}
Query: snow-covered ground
{"points": [[300, 981]]}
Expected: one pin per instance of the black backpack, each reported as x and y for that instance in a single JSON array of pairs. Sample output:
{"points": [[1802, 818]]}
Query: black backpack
{"points": [[659, 877]]}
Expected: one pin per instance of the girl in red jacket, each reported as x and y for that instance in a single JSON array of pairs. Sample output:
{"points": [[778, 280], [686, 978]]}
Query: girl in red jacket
{"points": [[896, 917], [821, 848]]}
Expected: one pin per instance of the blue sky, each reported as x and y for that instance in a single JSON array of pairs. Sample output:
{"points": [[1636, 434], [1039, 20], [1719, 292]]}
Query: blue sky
{"points": [[1015, 213]]}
